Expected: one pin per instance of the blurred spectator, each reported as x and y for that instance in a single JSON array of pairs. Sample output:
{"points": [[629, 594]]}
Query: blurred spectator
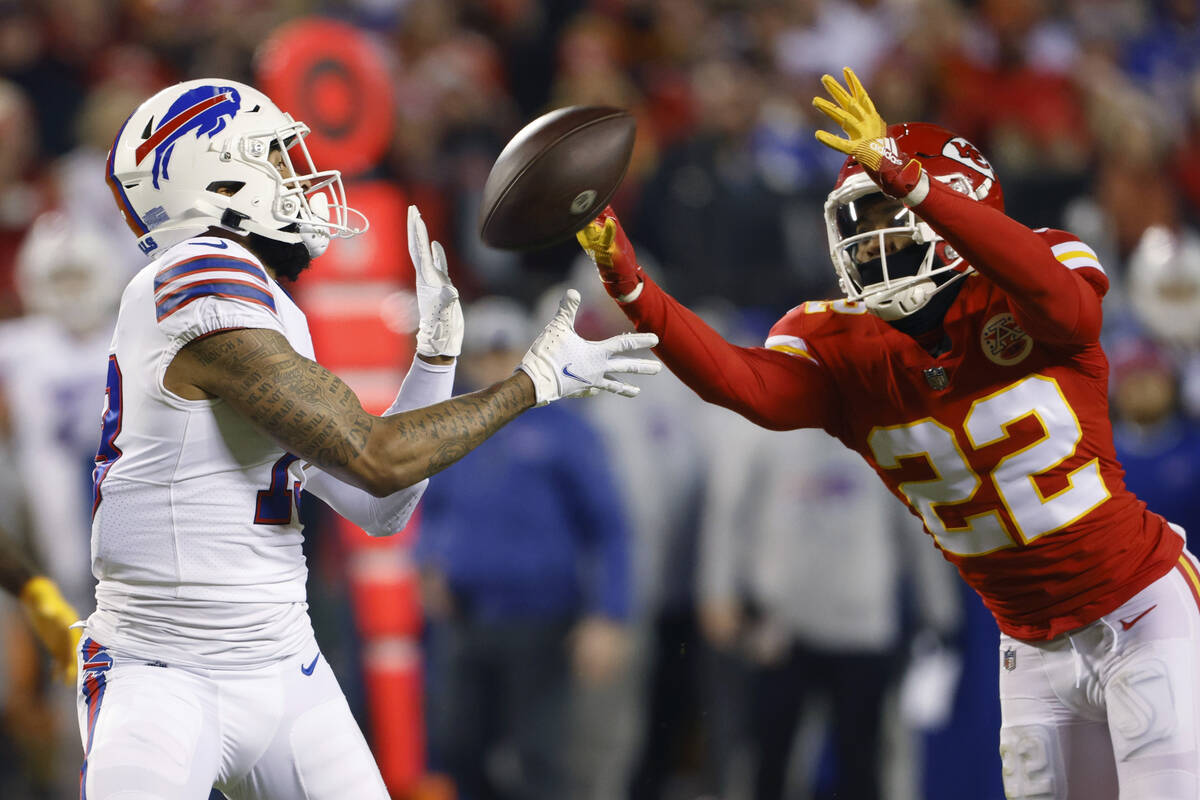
{"points": [[1165, 56], [802, 562], [710, 214], [24, 192], [523, 551], [1008, 88], [1157, 444], [52, 373], [1164, 298], [640, 735], [825, 36], [52, 368]]}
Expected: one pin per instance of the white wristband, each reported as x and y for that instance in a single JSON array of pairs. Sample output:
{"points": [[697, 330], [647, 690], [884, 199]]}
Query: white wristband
{"points": [[634, 295], [919, 192]]}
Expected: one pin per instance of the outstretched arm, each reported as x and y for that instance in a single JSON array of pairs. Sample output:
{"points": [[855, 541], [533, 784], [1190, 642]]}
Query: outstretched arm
{"points": [[313, 414], [1051, 301], [768, 387]]}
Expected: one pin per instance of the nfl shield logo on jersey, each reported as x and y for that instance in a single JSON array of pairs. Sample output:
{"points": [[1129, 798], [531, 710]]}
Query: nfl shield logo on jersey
{"points": [[936, 378], [1010, 659]]}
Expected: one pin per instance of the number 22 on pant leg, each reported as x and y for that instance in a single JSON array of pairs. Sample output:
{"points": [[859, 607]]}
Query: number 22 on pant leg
{"points": [[986, 423]]}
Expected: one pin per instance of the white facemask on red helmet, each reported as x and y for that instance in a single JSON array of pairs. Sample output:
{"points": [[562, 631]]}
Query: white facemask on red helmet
{"points": [[199, 154], [893, 283]]}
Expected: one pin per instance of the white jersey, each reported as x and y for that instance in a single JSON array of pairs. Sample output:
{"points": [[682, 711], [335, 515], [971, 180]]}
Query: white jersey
{"points": [[196, 541]]}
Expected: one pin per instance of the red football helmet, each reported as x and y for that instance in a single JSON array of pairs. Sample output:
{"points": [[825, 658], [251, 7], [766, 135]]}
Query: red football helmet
{"points": [[871, 235]]}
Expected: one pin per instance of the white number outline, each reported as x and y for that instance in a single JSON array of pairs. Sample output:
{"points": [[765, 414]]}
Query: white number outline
{"points": [[1016, 484], [1014, 476]]}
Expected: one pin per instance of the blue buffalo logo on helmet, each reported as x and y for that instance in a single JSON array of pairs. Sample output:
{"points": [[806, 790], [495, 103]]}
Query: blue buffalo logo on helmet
{"points": [[200, 112]]}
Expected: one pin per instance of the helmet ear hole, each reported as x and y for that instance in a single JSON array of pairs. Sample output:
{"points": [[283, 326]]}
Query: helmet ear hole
{"points": [[227, 188]]}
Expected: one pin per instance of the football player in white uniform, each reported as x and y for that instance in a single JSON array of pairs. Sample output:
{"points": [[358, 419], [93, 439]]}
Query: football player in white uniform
{"points": [[51, 373], [199, 666]]}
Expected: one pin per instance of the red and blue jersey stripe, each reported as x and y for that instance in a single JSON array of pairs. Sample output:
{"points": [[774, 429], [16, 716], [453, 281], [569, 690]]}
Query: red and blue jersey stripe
{"points": [[96, 662], [210, 276]]}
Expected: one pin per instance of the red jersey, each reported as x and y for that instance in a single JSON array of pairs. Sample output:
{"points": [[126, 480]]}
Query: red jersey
{"points": [[1002, 445]]}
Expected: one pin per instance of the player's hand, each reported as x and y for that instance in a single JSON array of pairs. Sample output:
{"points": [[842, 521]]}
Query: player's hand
{"points": [[896, 173], [440, 332], [607, 245], [563, 364], [52, 618], [599, 649]]}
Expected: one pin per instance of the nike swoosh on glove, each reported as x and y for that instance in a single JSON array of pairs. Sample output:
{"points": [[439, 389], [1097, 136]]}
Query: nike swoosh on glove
{"points": [[561, 363]]}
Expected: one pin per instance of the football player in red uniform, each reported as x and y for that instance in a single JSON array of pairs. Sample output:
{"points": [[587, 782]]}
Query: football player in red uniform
{"points": [[964, 365]]}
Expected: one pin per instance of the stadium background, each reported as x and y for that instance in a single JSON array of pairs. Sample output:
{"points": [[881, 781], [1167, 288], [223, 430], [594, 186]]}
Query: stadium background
{"points": [[1089, 109]]}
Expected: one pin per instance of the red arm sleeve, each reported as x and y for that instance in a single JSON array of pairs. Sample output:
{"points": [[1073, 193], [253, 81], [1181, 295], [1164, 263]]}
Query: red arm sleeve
{"points": [[1052, 302], [769, 388]]}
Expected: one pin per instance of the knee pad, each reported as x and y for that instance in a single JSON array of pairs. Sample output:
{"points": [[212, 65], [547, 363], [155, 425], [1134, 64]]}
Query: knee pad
{"points": [[1141, 709], [1031, 763]]}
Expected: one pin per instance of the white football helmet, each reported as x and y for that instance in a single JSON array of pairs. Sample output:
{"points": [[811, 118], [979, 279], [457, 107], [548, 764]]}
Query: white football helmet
{"points": [[894, 283], [219, 153], [1164, 284], [68, 270]]}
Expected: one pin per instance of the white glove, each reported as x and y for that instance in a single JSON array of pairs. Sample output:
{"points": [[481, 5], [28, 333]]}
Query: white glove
{"points": [[930, 684], [563, 364], [440, 332]]}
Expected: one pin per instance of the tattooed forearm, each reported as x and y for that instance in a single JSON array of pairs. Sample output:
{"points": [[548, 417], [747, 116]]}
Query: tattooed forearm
{"points": [[316, 416], [460, 425], [297, 401]]}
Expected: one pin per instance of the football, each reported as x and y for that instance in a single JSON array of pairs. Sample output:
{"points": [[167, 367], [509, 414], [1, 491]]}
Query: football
{"points": [[555, 176]]}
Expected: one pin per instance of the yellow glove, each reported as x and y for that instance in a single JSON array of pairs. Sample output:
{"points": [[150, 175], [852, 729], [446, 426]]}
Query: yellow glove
{"points": [[897, 174], [856, 115], [52, 617], [604, 240]]}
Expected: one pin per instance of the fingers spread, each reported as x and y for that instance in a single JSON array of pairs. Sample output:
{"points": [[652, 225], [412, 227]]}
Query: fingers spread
{"points": [[630, 341], [859, 92], [836, 91], [836, 142], [830, 110], [439, 262], [567, 307], [418, 239], [617, 387], [634, 366], [610, 232]]}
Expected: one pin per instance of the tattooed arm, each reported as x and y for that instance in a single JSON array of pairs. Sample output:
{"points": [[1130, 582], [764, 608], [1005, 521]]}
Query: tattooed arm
{"points": [[311, 413]]}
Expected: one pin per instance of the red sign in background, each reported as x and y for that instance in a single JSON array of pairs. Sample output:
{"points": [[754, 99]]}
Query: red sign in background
{"points": [[337, 80]]}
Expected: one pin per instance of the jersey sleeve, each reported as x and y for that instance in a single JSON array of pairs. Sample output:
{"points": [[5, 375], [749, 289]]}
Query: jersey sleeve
{"points": [[777, 387], [204, 293], [1053, 280]]}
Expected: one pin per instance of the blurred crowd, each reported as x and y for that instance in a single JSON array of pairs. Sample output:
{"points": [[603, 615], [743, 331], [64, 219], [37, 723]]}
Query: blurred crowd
{"points": [[697, 611]]}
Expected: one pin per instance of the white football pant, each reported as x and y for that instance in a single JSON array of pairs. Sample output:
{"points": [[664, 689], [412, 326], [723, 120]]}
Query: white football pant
{"points": [[1111, 709], [281, 732]]}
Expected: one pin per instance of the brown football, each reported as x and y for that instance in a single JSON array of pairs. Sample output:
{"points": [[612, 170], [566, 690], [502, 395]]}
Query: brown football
{"points": [[555, 176]]}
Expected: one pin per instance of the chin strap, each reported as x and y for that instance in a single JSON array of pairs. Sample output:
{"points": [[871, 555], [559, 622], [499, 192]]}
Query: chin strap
{"points": [[314, 236]]}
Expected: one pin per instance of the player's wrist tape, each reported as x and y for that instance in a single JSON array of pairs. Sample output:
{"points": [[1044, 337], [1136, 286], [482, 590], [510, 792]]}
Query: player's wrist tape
{"points": [[919, 192], [631, 296]]}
